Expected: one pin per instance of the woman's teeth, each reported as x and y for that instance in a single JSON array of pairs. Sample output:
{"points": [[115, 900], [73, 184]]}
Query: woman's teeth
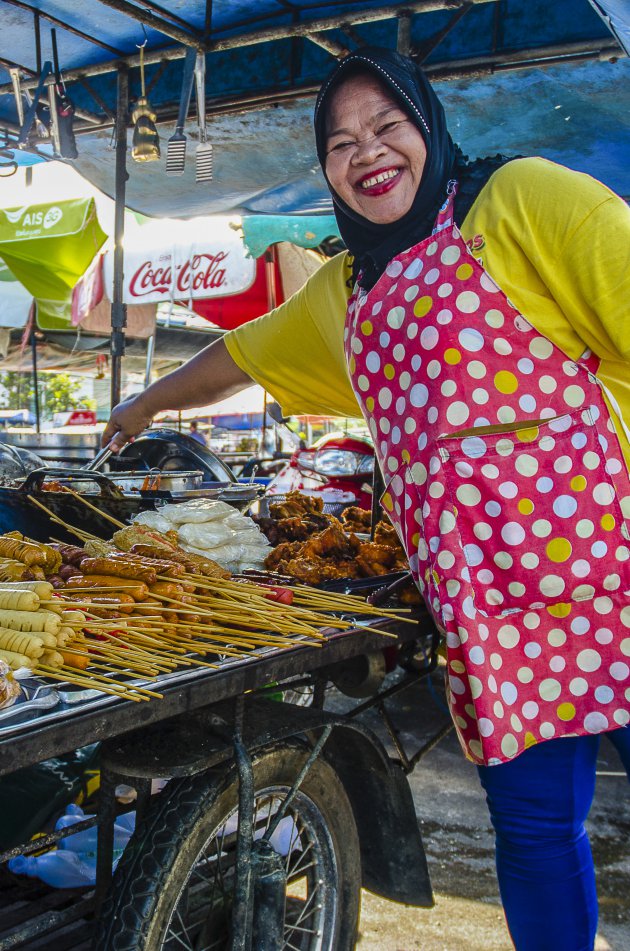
{"points": [[377, 179]]}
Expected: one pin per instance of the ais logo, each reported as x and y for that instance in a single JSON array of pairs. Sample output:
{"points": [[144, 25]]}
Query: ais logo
{"points": [[35, 219]]}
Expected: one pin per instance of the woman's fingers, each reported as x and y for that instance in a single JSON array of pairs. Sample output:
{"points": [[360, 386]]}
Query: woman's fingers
{"points": [[127, 420]]}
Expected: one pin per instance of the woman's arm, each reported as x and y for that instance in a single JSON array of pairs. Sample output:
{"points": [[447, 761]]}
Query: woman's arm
{"points": [[210, 376]]}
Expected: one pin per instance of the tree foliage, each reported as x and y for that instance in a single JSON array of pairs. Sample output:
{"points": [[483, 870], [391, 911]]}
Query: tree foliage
{"points": [[58, 392]]}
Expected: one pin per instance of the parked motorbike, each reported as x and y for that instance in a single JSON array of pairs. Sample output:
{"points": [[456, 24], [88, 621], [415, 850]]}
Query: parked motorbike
{"points": [[337, 467]]}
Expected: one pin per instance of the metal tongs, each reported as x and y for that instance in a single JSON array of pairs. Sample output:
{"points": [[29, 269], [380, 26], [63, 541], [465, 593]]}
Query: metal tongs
{"points": [[101, 457]]}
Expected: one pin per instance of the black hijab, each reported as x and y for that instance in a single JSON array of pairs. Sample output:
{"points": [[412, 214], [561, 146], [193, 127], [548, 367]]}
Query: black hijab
{"points": [[372, 245]]}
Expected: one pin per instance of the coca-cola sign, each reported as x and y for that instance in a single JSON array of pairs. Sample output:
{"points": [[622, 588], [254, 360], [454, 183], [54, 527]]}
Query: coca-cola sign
{"points": [[192, 263], [201, 273]]}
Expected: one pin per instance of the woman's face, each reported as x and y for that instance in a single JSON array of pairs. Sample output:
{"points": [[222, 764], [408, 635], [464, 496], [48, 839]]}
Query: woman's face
{"points": [[374, 154]]}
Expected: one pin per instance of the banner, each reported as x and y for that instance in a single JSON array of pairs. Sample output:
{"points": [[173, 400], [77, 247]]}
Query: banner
{"points": [[183, 261]]}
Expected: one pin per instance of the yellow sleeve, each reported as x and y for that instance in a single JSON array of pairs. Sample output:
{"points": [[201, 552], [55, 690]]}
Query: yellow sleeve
{"points": [[296, 351], [558, 243]]}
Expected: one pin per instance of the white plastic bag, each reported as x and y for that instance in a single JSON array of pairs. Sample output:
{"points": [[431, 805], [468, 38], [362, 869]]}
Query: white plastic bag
{"points": [[152, 520], [205, 535], [197, 510]]}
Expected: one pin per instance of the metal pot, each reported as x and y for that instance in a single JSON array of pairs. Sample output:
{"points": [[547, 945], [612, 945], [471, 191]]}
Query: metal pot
{"points": [[153, 480]]}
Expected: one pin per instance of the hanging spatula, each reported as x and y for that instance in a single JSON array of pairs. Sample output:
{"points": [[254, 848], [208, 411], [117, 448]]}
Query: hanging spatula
{"points": [[203, 155], [176, 147]]}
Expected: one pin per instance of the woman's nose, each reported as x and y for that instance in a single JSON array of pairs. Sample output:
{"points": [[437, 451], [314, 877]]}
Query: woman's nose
{"points": [[367, 151]]}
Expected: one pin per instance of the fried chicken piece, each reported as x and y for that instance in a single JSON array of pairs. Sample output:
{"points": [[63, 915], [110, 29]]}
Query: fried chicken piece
{"points": [[356, 519], [284, 552], [295, 529], [375, 559], [296, 504], [386, 534], [269, 527], [316, 570], [332, 542]]}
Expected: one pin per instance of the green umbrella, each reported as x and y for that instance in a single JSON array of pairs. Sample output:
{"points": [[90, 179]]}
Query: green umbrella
{"points": [[48, 248]]}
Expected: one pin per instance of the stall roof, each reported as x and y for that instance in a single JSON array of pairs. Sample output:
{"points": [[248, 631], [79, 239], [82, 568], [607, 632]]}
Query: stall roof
{"points": [[518, 76]]}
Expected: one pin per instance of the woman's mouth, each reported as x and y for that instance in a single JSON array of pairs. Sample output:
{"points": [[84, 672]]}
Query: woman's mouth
{"points": [[379, 182]]}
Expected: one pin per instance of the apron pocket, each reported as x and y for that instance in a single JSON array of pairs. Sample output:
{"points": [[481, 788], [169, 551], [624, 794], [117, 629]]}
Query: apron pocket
{"points": [[537, 512]]}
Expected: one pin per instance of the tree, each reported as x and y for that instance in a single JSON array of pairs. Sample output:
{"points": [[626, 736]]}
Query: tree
{"points": [[58, 392], [18, 389]]}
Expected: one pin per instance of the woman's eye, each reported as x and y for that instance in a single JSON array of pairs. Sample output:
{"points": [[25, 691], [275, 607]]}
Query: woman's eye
{"points": [[388, 127], [340, 147]]}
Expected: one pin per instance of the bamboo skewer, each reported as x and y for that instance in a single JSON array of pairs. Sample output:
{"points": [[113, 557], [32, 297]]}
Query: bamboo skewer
{"points": [[98, 511], [68, 675], [83, 536]]}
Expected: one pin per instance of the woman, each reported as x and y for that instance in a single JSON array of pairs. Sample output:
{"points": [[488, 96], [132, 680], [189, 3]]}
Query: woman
{"points": [[506, 469]]}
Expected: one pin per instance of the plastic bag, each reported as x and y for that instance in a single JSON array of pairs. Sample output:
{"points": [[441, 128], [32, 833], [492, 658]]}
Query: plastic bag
{"points": [[205, 535], [197, 510], [10, 689], [152, 520]]}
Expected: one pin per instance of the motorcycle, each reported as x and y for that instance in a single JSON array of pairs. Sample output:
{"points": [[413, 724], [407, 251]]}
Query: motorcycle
{"points": [[338, 468]]}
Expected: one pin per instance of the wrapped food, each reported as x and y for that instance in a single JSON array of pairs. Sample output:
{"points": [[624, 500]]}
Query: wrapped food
{"points": [[125, 538], [197, 510], [152, 520], [205, 535], [10, 689], [97, 548], [234, 556]]}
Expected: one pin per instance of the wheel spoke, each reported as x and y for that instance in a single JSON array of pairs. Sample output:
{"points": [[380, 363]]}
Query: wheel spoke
{"points": [[291, 871], [178, 937], [293, 928], [304, 909]]}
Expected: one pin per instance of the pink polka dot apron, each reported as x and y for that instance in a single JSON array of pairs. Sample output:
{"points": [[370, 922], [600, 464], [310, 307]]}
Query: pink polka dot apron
{"points": [[504, 476]]}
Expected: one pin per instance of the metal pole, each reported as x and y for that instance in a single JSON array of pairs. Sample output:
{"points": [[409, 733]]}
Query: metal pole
{"points": [[149, 360], [272, 303], [35, 380], [119, 309]]}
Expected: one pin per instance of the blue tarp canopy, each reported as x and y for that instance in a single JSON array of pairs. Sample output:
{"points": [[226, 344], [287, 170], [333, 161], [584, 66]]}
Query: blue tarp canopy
{"points": [[516, 76]]}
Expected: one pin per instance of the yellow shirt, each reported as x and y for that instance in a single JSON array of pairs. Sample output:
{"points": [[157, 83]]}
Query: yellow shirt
{"points": [[557, 242]]}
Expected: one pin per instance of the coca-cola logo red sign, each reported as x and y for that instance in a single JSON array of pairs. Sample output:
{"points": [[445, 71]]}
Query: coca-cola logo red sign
{"points": [[201, 272]]}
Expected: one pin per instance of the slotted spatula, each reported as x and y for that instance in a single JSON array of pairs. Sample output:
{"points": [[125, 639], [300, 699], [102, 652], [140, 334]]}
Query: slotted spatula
{"points": [[176, 147], [203, 155]]}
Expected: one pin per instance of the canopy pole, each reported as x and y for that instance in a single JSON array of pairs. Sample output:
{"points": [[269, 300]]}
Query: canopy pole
{"points": [[272, 303], [33, 323], [119, 309]]}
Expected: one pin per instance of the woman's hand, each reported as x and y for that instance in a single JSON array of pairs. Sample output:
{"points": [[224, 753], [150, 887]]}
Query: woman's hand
{"points": [[128, 419]]}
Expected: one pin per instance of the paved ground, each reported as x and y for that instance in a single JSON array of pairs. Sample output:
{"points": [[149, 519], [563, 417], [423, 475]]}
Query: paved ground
{"points": [[460, 849]]}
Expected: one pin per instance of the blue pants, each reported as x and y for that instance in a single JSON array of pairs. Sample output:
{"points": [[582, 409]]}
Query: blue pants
{"points": [[538, 804]]}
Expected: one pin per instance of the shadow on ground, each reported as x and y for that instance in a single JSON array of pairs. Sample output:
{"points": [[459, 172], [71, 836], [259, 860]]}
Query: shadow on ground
{"points": [[460, 846]]}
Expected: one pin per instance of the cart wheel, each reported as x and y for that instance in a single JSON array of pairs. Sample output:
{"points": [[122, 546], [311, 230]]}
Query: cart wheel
{"points": [[174, 885]]}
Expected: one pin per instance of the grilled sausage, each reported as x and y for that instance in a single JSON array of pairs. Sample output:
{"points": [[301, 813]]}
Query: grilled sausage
{"points": [[119, 569], [137, 589]]}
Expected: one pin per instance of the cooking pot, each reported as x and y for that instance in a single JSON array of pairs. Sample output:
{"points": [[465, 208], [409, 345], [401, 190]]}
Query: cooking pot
{"points": [[153, 480]]}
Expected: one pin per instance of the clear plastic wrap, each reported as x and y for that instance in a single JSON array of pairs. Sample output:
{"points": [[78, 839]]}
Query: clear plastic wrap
{"points": [[205, 535], [154, 520], [197, 510], [10, 689]]}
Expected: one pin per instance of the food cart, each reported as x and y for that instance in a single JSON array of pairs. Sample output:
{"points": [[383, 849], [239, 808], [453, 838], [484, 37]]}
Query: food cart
{"points": [[265, 833]]}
